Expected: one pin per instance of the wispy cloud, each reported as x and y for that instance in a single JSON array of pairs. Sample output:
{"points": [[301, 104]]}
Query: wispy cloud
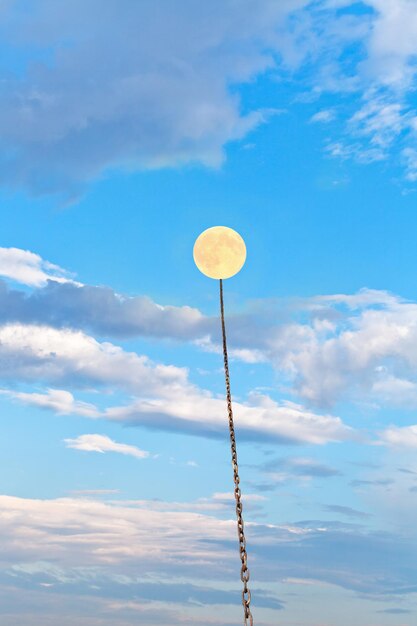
{"points": [[217, 503], [409, 155], [60, 401], [298, 467], [102, 444], [372, 69], [94, 492], [324, 116], [346, 511]]}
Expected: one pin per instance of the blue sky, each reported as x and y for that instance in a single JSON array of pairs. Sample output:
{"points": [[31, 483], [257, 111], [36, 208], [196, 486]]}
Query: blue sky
{"points": [[125, 134]]}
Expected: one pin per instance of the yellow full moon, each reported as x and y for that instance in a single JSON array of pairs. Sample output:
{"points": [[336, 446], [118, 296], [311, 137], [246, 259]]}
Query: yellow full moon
{"points": [[219, 252]]}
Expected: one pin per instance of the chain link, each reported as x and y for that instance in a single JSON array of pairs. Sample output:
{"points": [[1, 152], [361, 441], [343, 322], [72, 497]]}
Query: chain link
{"points": [[244, 571]]}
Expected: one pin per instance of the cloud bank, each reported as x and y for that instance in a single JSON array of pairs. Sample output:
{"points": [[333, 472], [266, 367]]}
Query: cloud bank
{"points": [[325, 349], [111, 539]]}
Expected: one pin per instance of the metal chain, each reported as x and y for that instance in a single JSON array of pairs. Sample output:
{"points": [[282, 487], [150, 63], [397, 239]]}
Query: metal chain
{"points": [[244, 571]]}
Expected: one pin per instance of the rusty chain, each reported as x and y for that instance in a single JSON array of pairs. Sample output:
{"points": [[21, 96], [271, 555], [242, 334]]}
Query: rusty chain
{"points": [[244, 571]]}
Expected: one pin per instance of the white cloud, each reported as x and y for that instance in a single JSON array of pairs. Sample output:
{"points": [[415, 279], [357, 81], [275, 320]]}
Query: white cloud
{"points": [[164, 397], [102, 443], [381, 120], [164, 100], [393, 43], [361, 299], [218, 504], [359, 344], [75, 543], [111, 533], [242, 354], [359, 347], [171, 97], [401, 437], [395, 391], [60, 401], [325, 115], [352, 346], [103, 311], [29, 268], [34, 352], [260, 417], [365, 60], [410, 157]]}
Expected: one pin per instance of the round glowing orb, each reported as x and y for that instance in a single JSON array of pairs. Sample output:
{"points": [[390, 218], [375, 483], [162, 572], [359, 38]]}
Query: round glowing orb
{"points": [[219, 252]]}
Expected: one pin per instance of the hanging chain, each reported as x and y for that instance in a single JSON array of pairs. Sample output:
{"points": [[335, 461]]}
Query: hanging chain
{"points": [[244, 572]]}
